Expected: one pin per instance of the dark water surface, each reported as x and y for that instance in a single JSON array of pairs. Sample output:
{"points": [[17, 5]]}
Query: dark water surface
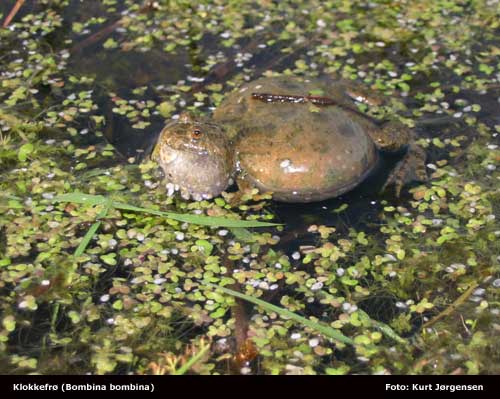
{"points": [[122, 71], [138, 73]]}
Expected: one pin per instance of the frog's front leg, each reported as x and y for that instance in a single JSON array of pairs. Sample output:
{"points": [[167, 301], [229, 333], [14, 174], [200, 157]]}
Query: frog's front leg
{"points": [[410, 168], [394, 136]]}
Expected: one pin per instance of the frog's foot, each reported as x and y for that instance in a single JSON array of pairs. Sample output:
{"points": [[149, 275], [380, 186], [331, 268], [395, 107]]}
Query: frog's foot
{"points": [[410, 168]]}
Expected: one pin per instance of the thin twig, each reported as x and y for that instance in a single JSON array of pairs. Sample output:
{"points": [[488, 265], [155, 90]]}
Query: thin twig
{"points": [[465, 325], [107, 30], [12, 13], [238, 311], [220, 71], [450, 309], [245, 350]]}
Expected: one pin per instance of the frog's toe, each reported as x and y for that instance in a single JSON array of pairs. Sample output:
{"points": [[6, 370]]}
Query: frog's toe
{"points": [[421, 173], [396, 179], [410, 168]]}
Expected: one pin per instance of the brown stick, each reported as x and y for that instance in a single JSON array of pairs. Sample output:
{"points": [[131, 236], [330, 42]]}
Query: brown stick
{"points": [[106, 31], [240, 320], [12, 13], [450, 309], [221, 70], [245, 350]]}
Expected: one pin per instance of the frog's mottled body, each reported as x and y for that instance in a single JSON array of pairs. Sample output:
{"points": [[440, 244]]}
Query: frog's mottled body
{"points": [[300, 152]]}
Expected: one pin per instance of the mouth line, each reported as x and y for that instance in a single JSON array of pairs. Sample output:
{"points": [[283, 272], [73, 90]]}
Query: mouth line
{"points": [[192, 149]]}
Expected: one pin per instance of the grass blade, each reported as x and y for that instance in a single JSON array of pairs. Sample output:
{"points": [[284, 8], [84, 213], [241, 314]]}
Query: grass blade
{"points": [[382, 327], [93, 229], [196, 358], [81, 198], [86, 238], [215, 221], [327, 331]]}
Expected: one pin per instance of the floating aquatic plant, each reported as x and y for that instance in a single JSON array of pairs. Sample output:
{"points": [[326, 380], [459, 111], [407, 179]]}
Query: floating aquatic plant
{"points": [[414, 282]]}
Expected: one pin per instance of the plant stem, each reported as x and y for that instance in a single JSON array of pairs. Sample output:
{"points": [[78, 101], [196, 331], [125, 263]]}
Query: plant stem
{"points": [[12, 13], [450, 309]]}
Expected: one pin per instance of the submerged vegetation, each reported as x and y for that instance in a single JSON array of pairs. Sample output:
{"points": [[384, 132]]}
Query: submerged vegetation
{"points": [[101, 271]]}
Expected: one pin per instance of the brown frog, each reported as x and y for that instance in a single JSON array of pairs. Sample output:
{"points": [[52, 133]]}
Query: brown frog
{"points": [[276, 135]]}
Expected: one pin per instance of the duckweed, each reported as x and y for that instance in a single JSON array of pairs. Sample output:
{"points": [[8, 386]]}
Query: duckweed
{"points": [[412, 283]]}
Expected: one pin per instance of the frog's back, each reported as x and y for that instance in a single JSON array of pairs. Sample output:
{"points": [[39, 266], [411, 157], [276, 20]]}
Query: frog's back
{"points": [[299, 152]]}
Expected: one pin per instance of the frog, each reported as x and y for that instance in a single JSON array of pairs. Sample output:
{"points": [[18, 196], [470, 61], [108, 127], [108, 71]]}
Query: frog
{"points": [[303, 140]]}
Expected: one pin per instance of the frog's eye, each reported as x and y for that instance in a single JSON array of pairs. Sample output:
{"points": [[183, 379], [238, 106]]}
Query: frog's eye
{"points": [[196, 134]]}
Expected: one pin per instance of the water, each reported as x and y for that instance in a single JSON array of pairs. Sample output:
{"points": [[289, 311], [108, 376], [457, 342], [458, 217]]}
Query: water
{"points": [[131, 66], [121, 72]]}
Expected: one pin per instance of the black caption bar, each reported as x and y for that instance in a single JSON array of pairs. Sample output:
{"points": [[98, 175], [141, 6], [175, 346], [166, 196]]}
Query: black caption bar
{"points": [[231, 386]]}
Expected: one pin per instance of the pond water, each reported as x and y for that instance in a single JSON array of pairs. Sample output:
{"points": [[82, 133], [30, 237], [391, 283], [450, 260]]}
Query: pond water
{"points": [[412, 281]]}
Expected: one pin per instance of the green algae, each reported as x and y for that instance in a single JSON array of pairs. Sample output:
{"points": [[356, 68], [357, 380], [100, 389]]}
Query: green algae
{"points": [[137, 299]]}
